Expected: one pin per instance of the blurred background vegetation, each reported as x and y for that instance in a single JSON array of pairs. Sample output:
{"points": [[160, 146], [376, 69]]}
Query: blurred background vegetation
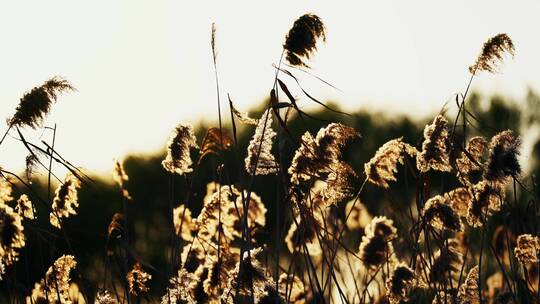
{"points": [[152, 189]]}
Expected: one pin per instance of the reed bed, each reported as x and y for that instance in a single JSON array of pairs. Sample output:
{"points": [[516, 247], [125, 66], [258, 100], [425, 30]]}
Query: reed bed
{"points": [[324, 245]]}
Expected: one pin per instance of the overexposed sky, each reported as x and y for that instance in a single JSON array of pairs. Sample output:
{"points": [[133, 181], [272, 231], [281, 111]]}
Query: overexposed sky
{"points": [[141, 67]]}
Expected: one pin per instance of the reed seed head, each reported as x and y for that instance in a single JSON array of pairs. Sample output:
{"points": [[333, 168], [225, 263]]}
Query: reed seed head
{"points": [[178, 159], [137, 280], [435, 148], [11, 235], [399, 283], [301, 41], [503, 157], [468, 291], [527, 249], [65, 200], [440, 215], [376, 247], [36, 104], [382, 167], [259, 160], [493, 53]]}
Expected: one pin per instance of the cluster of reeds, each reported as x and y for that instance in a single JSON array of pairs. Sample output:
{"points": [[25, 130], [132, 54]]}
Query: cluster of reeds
{"points": [[216, 256]]}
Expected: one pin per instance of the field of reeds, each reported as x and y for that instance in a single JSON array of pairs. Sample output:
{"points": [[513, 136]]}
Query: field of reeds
{"points": [[284, 206]]}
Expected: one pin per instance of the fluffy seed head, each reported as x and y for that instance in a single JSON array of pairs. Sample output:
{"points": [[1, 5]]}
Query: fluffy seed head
{"points": [[468, 291], [440, 215], [119, 174], [243, 117], [24, 207], [459, 199], [317, 157], [435, 148], [36, 104], [472, 161], [181, 288], [181, 141], [301, 41], [65, 200], [259, 160], [11, 235], [399, 283], [137, 280], [5, 191], [120, 177], [56, 284], [115, 226], [234, 215], [492, 54], [376, 247], [487, 199], [383, 166], [503, 157], [249, 280], [527, 249]]}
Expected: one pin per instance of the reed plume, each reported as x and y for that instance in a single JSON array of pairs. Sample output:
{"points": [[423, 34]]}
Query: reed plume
{"points": [[399, 283], [193, 257], [468, 291], [24, 207], [440, 215], [181, 288], [5, 191], [36, 104], [487, 199], [527, 249], [12, 236], [178, 159], [503, 157], [214, 204], [259, 160], [435, 148], [301, 41], [492, 54], [318, 157], [55, 286], [249, 281], [376, 247], [137, 280], [382, 167], [218, 272], [472, 161], [459, 199], [65, 200]]}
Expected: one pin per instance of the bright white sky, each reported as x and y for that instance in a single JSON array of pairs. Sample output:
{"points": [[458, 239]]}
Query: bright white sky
{"points": [[141, 67]]}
